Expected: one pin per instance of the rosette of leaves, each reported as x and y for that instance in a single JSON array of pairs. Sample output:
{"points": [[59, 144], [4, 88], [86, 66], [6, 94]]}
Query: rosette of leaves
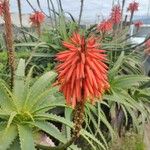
{"points": [[25, 113], [126, 99]]}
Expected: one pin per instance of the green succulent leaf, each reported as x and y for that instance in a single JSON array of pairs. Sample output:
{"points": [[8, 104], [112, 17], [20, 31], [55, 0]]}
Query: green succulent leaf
{"points": [[42, 84], [19, 84], [26, 137], [6, 98], [15, 145], [128, 81], [50, 129], [114, 70], [62, 120], [12, 115], [7, 136]]}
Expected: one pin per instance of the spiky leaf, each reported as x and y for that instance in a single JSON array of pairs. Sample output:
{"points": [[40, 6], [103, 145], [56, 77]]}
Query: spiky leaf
{"points": [[26, 137], [7, 136]]}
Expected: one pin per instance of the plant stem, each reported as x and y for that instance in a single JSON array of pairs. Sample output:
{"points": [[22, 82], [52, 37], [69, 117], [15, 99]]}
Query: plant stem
{"points": [[60, 4], [50, 15], [39, 5], [38, 30], [9, 39], [78, 119], [81, 11], [20, 13], [131, 17], [54, 12], [122, 9], [31, 5]]}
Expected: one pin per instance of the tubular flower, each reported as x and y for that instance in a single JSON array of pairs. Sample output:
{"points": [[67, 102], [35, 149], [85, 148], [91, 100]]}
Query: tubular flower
{"points": [[82, 73], [133, 7], [105, 26], [147, 44], [116, 14], [37, 18], [138, 24]]}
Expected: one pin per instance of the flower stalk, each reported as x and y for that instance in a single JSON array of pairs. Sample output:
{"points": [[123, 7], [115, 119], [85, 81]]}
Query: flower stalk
{"points": [[132, 8], [81, 11], [9, 39], [20, 12], [78, 119]]}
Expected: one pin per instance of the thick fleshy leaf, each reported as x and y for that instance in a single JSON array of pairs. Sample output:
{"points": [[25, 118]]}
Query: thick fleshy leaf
{"points": [[19, 84], [26, 137], [42, 84], [6, 98], [7, 136], [86, 135]]}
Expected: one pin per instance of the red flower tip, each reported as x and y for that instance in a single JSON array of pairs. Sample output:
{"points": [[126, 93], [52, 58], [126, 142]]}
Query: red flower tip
{"points": [[147, 43], [138, 24], [133, 7], [105, 26], [1, 8], [37, 18], [82, 72], [116, 14]]}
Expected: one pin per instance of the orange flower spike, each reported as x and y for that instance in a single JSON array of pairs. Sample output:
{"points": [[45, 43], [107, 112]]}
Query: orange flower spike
{"points": [[116, 14], [134, 6], [105, 26], [37, 18], [82, 72]]}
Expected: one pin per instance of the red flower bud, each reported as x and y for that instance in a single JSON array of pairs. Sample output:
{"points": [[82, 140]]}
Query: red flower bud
{"points": [[138, 24], [105, 26], [37, 18], [133, 7], [116, 14]]}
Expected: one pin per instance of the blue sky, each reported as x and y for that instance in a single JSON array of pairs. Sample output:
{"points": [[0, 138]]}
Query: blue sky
{"points": [[92, 8]]}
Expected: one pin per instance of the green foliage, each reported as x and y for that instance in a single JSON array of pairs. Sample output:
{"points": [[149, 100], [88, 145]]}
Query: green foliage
{"points": [[123, 106], [25, 111], [123, 94], [130, 141], [4, 71]]}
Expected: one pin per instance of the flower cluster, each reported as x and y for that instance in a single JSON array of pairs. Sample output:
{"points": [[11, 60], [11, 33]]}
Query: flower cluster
{"points": [[147, 44], [133, 7], [105, 26], [138, 24], [37, 18], [82, 72], [116, 14]]}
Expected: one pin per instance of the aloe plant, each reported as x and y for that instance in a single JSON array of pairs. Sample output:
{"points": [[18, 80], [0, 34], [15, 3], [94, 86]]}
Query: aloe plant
{"points": [[121, 97], [25, 104], [24, 112]]}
